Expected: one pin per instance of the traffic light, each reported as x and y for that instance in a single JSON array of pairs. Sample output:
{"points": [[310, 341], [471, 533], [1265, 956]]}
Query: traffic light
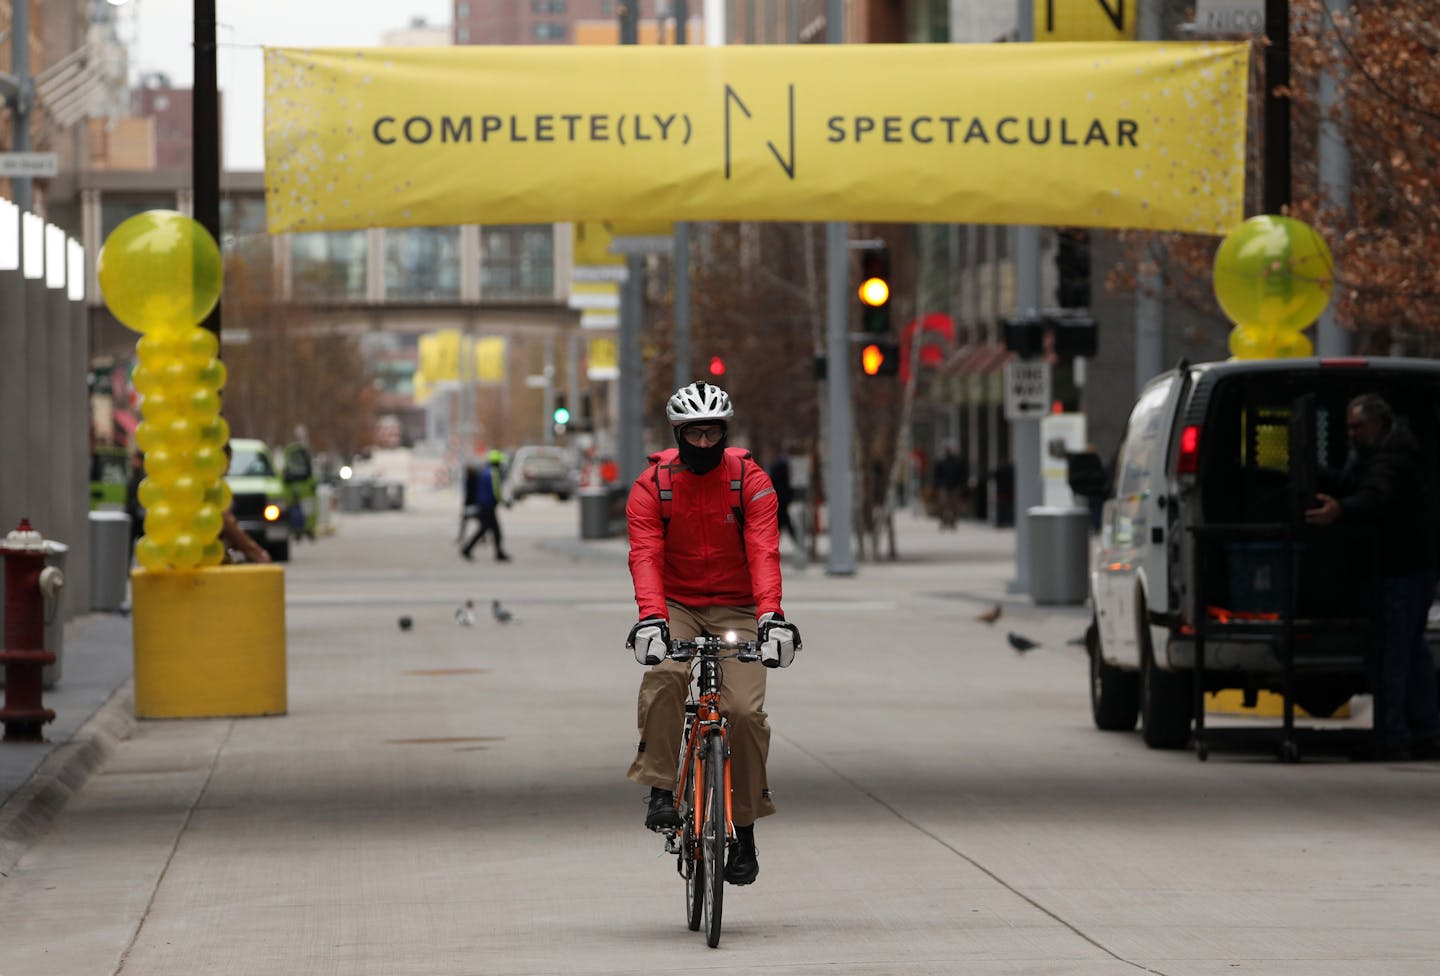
{"points": [[561, 414], [880, 359], [874, 290], [717, 366], [1072, 267]]}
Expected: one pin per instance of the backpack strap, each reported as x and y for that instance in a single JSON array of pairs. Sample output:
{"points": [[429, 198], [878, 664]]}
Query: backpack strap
{"points": [[735, 473], [664, 488], [663, 474]]}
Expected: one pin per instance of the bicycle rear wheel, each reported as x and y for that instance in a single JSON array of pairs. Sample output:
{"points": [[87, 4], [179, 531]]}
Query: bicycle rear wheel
{"points": [[713, 837]]}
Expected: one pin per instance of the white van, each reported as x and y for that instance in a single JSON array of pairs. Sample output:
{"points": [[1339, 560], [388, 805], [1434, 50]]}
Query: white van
{"points": [[1214, 470]]}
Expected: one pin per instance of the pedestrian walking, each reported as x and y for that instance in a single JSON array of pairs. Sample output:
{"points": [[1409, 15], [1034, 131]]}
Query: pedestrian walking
{"points": [[488, 497]]}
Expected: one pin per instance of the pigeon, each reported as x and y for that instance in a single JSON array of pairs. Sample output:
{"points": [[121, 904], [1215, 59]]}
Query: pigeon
{"points": [[500, 613], [405, 623], [1021, 644], [991, 615], [465, 616]]}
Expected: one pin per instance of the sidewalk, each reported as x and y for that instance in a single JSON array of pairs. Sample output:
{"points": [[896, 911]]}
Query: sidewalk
{"points": [[92, 708], [94, 705]]}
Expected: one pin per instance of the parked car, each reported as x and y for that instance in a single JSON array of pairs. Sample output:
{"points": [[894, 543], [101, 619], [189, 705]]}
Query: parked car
{"points": [[1226, 448], [258, 496], [541, 470]]}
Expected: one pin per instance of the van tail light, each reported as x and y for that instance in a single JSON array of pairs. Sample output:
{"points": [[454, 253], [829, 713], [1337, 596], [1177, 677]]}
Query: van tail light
{"points": [[1187, 461]]}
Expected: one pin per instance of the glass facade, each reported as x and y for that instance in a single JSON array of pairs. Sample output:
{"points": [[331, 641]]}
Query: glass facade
{"points": [[517, 262], [243, 238], [422, 264], [115, 210], [329, 266]]}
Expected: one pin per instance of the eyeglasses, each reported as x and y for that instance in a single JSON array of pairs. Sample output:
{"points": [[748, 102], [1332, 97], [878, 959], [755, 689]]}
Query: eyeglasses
{"points": [[703, 436]]}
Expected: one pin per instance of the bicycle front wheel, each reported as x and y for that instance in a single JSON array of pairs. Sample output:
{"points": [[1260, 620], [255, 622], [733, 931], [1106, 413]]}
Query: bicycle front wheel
{"points": [[713, 836], [692, 867]]}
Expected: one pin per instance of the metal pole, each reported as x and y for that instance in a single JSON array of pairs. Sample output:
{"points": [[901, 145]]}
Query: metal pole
{"points": [[839, 460], [205, 127], [65, 410], [24, 101], [38, 445], [547, 407], [631, 386], [1149, 310], [1277, 107], [632, 372], [682, 255], [1334, 165], [1025, 443], [77, 320]]}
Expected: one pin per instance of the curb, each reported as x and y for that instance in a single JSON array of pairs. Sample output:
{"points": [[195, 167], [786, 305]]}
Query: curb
{"points": [[30, 811]]}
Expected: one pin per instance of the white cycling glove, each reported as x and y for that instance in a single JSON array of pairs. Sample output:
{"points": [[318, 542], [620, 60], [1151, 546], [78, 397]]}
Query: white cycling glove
{"points": [[779, 640], [650, 639]]}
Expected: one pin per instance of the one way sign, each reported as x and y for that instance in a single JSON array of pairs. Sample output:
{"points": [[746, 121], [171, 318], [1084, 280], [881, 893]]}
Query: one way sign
{"points": [[1027, 390]]}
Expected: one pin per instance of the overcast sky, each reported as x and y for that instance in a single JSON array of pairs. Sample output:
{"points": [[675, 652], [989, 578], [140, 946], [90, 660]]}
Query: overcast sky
{"points": [[160, 34]]}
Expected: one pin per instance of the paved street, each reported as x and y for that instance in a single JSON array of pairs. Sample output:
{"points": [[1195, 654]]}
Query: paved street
{"points": [[451, 800]]}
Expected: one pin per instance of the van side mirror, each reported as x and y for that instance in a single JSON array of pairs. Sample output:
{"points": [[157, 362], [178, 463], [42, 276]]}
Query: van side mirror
{"points": [[1086, 474]]}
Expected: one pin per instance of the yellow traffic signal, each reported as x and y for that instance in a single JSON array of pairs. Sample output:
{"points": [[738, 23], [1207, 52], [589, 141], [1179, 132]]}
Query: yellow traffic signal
{"points": [[874, 292], [872, 359]]}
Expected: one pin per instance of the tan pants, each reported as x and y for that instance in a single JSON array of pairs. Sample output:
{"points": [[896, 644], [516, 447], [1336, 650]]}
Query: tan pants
{"points": [[742, 701]]}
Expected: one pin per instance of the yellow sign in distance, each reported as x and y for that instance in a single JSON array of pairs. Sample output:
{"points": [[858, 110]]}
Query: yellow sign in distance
{"points": [[1085, 20], [1144, 135]]}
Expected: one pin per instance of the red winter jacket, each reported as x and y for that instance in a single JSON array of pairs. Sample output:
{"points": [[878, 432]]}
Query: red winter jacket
{"points": [[699, 559]]}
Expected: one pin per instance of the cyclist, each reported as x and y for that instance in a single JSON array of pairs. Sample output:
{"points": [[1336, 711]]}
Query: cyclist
{"points": [[705, 559]]}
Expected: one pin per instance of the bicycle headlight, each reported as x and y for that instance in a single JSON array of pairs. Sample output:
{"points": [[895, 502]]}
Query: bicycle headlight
{"points": [[729, 636]]}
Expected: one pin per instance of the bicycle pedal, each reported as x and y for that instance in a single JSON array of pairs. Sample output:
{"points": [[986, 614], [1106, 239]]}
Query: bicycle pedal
{"points": [[672, 842]]}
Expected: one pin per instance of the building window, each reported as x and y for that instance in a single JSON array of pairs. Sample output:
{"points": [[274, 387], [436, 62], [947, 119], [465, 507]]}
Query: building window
{"points": [[462, 35], [547, 6], [328, 267], [547, 31], [115, 210], [243, 238], [462, 10], [517, 262], [607, 8], [422, 264]]}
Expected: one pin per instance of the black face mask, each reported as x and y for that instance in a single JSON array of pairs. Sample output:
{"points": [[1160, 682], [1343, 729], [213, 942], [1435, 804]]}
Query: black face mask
{"points": [[700, 460]]}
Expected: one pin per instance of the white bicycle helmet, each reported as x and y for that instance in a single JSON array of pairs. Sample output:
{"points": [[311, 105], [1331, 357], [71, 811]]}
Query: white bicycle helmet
{"points": [[698, 401]]}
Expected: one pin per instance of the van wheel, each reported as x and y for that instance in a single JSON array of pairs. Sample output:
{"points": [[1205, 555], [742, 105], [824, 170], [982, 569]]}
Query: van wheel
{"points": [[1166, 703], [1114, 694]]}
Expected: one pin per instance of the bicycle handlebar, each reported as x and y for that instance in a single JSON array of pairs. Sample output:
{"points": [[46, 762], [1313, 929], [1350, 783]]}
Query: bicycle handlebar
{"points": [[710, 646]]}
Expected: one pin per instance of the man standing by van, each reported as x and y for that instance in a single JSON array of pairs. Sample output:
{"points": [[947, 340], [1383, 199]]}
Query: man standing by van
{"points": [[1385, 484]]}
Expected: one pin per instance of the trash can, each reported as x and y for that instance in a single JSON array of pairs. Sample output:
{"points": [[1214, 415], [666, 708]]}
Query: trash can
{"points": [[594, 513], [1059, 554], [54, 636], [109, 560], [325, 504]]}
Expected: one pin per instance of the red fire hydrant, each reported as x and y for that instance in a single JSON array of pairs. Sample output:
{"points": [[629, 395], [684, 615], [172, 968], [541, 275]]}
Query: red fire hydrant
{"points": [[24, 657]]}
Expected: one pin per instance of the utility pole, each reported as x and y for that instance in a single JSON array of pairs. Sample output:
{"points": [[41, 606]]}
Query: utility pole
{"points": [[1277, 107], [1334, 165], [1025, 439], [205, 134], [631, 386], [839, 459], [1149, 311], [683, 355]]}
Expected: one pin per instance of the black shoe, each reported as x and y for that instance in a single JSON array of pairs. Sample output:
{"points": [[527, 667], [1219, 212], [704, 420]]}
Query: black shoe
{"points": [[466, 555], [742, 866], [500, 557], [661, 813]]}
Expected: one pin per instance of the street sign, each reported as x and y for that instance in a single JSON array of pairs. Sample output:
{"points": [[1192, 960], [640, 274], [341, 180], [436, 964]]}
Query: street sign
{"points": [[29, 164], [1230, 16], [1027, 390]]}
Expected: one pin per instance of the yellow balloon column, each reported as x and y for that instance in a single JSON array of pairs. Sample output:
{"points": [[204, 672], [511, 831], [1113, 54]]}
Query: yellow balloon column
{"points": [[160, 273], [1273, 277]]}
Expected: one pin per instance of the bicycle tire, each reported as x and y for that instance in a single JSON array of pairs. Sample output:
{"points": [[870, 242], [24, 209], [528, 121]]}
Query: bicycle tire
{"points": [[693, 867], [713, 837]]}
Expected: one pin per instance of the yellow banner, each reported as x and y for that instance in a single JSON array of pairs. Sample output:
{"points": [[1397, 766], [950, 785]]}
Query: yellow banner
{"points": [[1146, 135]]}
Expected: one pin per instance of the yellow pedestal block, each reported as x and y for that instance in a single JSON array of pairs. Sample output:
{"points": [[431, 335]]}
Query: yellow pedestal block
{"points": [[209, 642], [1267, 705]]}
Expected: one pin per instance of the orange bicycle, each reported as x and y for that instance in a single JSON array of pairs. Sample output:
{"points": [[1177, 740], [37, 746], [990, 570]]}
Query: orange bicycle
{"points": [[702, 791]]}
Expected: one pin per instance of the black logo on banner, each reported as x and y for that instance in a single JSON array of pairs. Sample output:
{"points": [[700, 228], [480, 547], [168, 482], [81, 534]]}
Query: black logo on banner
{"points": [[788, 165]]}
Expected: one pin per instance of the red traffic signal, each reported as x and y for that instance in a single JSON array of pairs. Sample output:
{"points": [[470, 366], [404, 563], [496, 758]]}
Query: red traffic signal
{"points": [[717, 366]]}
